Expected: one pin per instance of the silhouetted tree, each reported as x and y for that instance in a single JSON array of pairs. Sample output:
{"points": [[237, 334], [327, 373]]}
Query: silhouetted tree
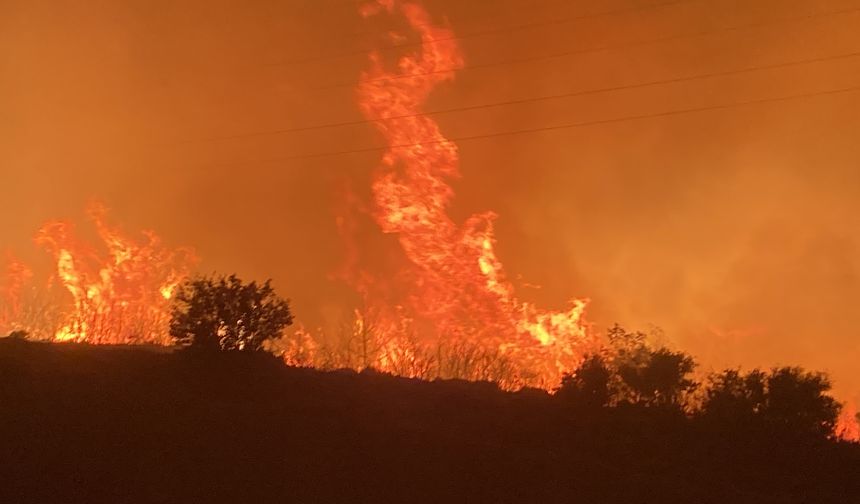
{"points": [[661, 380], [624, 343], [649, 377], [784, 400], [732, 397], [589, 385], [797, 402], [225, 313]]}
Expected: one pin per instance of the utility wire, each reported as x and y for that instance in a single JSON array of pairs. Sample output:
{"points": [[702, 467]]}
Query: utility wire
{"points": [[481, 33], [537, 99], [553, 56], [530, 3], [574, 125], [626, 45]]}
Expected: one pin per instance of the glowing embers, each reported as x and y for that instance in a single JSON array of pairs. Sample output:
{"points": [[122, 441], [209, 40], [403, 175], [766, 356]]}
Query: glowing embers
{"points": [[119, 295]]}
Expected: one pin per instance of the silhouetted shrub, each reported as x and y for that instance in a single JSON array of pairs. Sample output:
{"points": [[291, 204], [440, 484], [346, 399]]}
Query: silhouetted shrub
{"points": [[588, 386], [630, 372], [645, 376], [786, 400], [735, 398], [225, 313], [660, 378]]}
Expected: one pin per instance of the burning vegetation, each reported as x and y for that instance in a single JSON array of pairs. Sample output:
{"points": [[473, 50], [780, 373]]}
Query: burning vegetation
{"points": [[450, 312], [118, 293], [455, 315], [454, 286]]}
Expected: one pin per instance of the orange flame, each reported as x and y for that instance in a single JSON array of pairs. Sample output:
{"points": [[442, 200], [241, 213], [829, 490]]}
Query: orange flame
{"points": [[119, 298], [847, 427], [457, 283], [16, 277]]}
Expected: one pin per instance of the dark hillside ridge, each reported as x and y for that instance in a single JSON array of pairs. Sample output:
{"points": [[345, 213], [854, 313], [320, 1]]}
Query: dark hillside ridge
{"points": [[88, 424]]}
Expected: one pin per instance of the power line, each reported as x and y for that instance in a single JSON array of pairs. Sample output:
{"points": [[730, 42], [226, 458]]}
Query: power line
{"points": [[552, 56], [627, 45], [575, 125], [494, 31], [530, 3], [537, 99]]}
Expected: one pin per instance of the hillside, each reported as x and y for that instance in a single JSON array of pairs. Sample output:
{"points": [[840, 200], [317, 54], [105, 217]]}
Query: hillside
{"points": [[88, 424]]}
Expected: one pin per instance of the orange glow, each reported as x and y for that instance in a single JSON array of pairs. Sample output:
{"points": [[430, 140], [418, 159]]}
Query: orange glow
{"points": [[847, 427], [118, 297], [17, 275], [728, 219], [455, 285]]}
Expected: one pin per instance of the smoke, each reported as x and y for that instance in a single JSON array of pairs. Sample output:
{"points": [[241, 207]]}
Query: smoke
{"points": [[734, 231]]}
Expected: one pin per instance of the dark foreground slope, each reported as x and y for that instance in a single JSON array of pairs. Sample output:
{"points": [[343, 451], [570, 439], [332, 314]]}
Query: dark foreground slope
{"points": [[83, 424]]}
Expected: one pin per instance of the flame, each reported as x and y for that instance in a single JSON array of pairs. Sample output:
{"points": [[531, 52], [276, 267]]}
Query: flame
{"points": [[455, 284], [17, 275], [847, 427], [118, 297]]}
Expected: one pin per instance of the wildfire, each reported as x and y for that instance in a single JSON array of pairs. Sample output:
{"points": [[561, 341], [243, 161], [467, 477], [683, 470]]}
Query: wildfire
{"points": [[118, 297], [456, 285], [17, 275], [848, 426]]}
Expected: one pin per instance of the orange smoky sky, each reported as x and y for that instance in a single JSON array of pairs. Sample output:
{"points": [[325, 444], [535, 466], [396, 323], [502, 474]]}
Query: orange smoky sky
{"points": [[735, 230]]}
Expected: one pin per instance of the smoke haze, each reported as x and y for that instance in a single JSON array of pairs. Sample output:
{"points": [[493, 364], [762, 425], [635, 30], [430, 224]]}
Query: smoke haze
{"points": [[735, 231]]}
